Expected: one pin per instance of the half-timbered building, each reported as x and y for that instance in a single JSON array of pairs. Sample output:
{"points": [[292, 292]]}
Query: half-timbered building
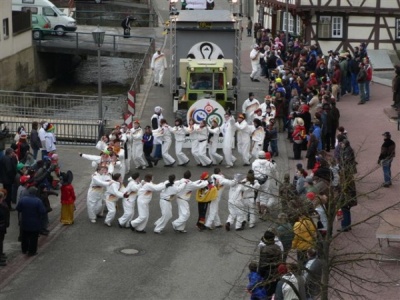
{"points": [[335, 24]]}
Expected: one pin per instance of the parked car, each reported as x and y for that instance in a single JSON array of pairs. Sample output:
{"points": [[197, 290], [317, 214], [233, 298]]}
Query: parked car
{"points": [[40, 26]]}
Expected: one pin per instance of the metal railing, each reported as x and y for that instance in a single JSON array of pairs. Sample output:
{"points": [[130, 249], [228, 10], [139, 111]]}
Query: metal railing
{"points": [[112, 42], [144, 66], [114, 18], [57, 107], [66, 133]]}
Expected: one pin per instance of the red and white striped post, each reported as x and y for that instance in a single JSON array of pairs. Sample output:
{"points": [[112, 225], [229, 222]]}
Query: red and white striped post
{"points": [[128, 118]]}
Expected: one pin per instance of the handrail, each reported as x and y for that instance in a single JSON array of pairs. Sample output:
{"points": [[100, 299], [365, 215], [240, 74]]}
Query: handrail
{"points": [[81, 37]]}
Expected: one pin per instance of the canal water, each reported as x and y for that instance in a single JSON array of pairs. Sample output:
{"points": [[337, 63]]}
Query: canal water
{"points": [[117, 76]]}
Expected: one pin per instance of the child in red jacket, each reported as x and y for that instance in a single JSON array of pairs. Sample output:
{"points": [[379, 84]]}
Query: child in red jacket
{"points": [[67, 199]]}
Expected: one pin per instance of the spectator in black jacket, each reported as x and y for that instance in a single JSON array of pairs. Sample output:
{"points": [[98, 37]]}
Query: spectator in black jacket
{"points": [[4, 224], [386, 156], [36, 144], [8, 171], [31, 210], [3, 137]]}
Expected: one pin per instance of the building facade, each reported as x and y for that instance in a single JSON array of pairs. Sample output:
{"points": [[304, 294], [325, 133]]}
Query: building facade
{"points": [[336, 24], [17, 56]]}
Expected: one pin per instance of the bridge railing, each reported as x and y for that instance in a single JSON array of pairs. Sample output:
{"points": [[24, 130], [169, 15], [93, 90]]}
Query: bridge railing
{"points": [[83, 133], [112, 42], [144, 66], [57, 107], [114, 18]]}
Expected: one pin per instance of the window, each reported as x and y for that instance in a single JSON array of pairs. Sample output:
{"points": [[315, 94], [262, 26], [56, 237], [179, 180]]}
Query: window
{"points": [[291, 22], [48, 11], [397, 28], [28, 1], [337, 27], [33, 10], [330, 27], [6, 29], [34, 20], [324, 27], [298, 25]]}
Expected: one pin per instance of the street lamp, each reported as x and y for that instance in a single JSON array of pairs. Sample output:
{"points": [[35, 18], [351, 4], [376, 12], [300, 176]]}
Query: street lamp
{"points": [[98, 38]]}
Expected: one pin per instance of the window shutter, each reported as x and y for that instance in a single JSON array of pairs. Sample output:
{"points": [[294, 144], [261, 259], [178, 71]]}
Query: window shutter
{"points": [[279, 20]]}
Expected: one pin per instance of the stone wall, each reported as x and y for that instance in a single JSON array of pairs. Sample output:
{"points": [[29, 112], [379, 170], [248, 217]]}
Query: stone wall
{"points": [[18, 70]]}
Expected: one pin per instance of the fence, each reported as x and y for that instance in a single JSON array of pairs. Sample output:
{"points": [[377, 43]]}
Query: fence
{"points": [[75, 116], [114, 18], [66, 133]]}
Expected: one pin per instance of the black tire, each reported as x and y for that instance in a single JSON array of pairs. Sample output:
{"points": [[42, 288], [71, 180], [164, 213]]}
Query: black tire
{"points": [[59, 30], [37, 34]]}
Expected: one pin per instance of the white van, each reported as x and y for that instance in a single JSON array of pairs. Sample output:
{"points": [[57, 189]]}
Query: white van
{"points": [[59, 20]]}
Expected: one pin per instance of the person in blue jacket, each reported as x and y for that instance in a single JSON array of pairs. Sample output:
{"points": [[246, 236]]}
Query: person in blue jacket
{"points": [[256, 287], [31, 213]]}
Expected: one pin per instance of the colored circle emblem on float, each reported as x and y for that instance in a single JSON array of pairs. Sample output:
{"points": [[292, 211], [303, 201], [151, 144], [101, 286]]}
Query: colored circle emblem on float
{"points": [[206, 109]]}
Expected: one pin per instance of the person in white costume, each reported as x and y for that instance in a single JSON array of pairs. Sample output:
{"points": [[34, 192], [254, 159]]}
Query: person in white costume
{"points": [[250, 105], [272, 182], [264, 173], [255, 56], [106, 158], [113, 192], [94, 201], [228, 129], [192, 129], [236, 206], [165, 136], [136, 136], [214, 130], [158, 65], [213, 220], [129, 201], [249, 197], [268, 102], [144, 197], [167, 195], [257, 138], [243, 139], [180, 132], [182, 199], [202, 140]]}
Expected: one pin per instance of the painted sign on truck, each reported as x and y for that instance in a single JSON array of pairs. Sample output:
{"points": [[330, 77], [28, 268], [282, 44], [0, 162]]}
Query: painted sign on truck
{"points": [[196, 4]]}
